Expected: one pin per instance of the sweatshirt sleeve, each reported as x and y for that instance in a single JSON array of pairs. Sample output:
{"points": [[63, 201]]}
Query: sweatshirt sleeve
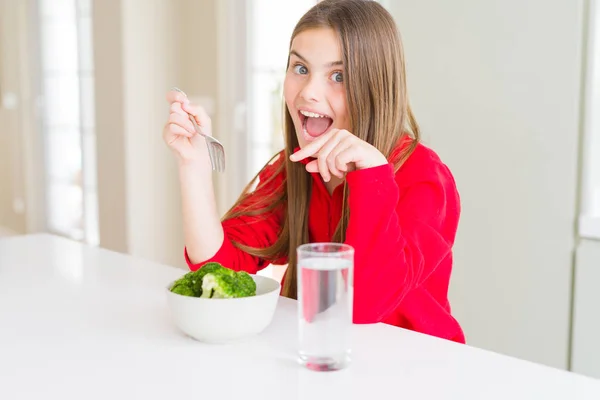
{"points": [[258, 231], [399, 237]]}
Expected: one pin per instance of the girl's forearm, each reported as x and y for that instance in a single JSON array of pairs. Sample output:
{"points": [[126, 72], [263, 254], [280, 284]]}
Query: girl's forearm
{"points": [[203, 232]]}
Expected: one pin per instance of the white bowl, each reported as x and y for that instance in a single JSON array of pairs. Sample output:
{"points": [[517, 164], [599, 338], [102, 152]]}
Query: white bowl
{"points": [[225, 320]]}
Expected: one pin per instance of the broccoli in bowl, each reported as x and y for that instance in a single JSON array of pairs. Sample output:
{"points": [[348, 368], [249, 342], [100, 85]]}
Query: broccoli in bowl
{"points": [[214, 281]]}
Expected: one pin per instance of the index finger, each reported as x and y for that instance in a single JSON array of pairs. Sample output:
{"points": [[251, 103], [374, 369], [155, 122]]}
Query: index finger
{"points": [[313, 147], [198, 113]]}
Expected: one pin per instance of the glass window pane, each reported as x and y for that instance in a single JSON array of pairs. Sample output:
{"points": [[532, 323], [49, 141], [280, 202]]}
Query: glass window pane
{"points": [[69, 134], [262, 154], [266, 103], [59, 46], [91, 218], [63, 10], [61, 96], [63, 155], [271, 36], [65, 209], [85, 7], [86, 56]]}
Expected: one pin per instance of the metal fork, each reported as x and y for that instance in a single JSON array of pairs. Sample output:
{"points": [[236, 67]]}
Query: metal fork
{"points": [[216, 150]]}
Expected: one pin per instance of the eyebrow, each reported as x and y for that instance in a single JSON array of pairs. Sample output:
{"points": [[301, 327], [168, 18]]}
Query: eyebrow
{"points": [[331, 64]]}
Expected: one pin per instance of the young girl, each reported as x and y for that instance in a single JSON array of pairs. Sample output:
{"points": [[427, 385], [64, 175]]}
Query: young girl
{"points": [[352, 171]]}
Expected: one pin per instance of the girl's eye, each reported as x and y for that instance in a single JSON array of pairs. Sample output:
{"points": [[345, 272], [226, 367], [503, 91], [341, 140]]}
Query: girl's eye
{"points": [[337, 77], [300, 69]]}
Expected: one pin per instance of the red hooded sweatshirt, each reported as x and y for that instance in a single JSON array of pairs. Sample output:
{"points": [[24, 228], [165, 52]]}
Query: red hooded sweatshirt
{"points": [[402, 227]]}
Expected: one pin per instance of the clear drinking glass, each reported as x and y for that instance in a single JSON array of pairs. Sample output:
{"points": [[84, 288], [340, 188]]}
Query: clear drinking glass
{"points": [[325, 295]]}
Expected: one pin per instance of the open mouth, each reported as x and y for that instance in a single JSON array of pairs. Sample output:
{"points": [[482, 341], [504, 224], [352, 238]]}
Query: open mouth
{"points": [[313, 124]]}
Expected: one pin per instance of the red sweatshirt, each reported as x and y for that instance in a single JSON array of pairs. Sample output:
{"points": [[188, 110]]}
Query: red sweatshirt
{"points": [[402, 227]]}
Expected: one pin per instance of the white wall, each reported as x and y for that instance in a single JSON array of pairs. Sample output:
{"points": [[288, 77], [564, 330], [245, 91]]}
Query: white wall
{"points": [[496, 87], [110, 124], [151, 49], [143, 49]]}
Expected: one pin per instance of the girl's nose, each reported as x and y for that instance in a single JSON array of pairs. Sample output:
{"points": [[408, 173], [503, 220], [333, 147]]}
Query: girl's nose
{"points": [[311, 91]]}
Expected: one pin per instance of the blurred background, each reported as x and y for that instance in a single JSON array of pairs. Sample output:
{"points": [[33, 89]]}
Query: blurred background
{"points": [[506, 91]]}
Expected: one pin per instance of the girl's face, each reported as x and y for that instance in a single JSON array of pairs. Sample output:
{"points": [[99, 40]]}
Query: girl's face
{"points": [[314, 85]]}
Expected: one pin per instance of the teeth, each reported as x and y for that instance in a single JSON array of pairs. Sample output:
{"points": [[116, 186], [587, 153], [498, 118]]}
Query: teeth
{"points": [[312, 115]]}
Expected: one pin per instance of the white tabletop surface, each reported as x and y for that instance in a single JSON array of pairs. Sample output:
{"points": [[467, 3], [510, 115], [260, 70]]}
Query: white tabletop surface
{"points": [[78, 322]]}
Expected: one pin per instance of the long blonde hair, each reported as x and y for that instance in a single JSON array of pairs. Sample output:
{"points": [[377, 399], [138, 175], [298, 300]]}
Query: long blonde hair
{"points": [[380, 114]]}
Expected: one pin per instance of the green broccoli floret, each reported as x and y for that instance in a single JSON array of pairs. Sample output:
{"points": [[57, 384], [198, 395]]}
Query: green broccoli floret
{"points": [[199, 275], [183, 288], [191, 283], [185, 285], [224, 283], [215, 281], [247, 286], [219, 285], [221, 282]]}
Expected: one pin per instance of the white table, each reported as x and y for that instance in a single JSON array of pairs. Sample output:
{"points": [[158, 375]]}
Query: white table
{"points": [[84, 323]]}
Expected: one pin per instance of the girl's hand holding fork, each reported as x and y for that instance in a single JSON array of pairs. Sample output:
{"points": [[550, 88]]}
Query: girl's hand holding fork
{"points": [[201, 223], [180, 135]]}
